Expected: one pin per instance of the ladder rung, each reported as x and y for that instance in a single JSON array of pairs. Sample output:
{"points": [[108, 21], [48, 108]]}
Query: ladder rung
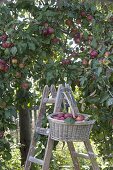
{"points": [[35, 160], [42, 131], [86, 156], [49, 100]]}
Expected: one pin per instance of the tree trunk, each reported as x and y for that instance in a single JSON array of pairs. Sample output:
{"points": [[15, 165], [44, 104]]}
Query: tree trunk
{"points": [[25, 132]]}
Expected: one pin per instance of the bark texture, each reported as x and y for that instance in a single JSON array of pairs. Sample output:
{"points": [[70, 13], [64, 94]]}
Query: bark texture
{"points": [[25, 133]]}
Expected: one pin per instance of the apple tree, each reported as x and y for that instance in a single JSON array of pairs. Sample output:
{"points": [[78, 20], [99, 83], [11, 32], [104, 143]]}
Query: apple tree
{"points": [[48, 42]]}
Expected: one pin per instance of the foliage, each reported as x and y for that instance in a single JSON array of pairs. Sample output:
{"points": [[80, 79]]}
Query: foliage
{"points": [[52, 44]]}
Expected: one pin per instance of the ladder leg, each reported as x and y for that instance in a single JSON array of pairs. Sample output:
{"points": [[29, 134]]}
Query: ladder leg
{"points": [[73, 155], [41, 111], [91, 155], [48, 153], [31, 152]]}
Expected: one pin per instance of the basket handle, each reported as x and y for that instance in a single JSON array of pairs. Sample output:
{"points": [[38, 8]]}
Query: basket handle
{"points": [[72, 103]]}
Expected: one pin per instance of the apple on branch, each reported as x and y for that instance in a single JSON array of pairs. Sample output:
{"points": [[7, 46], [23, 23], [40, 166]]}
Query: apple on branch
{"points": [[69, 22], [93, 54], [25, 85], [14, 60], [21, 65]]}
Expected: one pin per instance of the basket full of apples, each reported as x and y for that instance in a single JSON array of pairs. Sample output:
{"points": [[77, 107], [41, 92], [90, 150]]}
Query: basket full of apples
{"points": [[66, 127]]}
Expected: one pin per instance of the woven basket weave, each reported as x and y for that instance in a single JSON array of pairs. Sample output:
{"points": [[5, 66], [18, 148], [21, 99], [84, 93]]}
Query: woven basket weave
{"points": [[61, 131]]}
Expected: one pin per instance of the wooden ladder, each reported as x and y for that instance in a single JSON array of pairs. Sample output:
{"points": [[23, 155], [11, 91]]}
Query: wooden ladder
{"points": [[63, 94]]}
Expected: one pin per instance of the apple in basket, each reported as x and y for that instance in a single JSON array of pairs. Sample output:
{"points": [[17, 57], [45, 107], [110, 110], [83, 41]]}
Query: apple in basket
{"points": [[80, 118], [62, 116], [68, 115], [58, 116]]}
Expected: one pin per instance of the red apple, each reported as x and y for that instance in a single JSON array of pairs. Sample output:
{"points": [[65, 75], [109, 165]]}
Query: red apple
{"points": [[93, 54], [107, 53], [46, 24], [55, 40], [1, 134], [7, 45], [55, 117], [60, 114], [50, 30], [77, 40], [25, 85], [111, 18], [4, 37], [67, 115], [11, 44], [69, 22], [66, 61], [45, 32], [90, 37], [74, 31], [2, 61], [18, 75], [78, 21], [89, 17], [84, 61], [82, 48], [61, 118], [2, 67], [6, 67], [83, 13], [80, 118], [73, 55]]}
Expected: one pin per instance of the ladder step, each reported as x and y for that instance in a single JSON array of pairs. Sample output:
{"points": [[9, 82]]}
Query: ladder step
{"points": [[42, 131], [35, 160], [49, 100], [86, 156]]}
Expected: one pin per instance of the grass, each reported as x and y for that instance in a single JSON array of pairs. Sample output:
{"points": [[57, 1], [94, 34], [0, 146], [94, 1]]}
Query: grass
{"points": [[61, 158]]}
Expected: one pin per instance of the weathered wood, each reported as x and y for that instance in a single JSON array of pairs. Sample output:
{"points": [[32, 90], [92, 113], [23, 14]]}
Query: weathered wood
{"points": [[63, 94], [48, 154], [25, 132], [73, 155], [42, 110], [59, 99], [35, 160], [83, 155], [91, 154], [43, 131], [49, 100], [42, 107], [53, 91]]}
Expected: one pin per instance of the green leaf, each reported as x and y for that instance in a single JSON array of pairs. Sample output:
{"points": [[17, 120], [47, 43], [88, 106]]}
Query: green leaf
{"points": [[71, 43], [31, 46], [7, 52], [94, 43], [69, 120], [7, 156], [99, 71], [104, 97], [109, 102], [13, 51], [82, 80], [7, 114]]}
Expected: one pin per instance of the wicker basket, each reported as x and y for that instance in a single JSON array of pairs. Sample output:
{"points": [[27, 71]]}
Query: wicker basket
{"points": [[61, 131]]}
